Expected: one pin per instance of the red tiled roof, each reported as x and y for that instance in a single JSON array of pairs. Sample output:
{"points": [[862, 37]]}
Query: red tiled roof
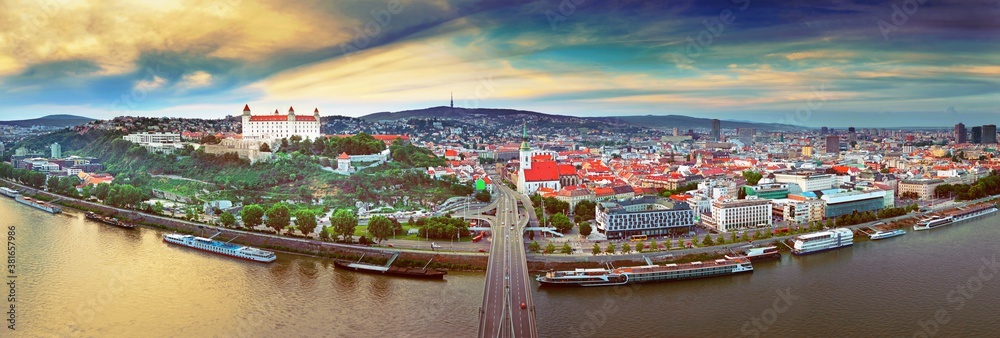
{"points": [[278, 118], [567, 169], [541, 171], [450, 152], [246, 107], [343, 156], [604, 191]]}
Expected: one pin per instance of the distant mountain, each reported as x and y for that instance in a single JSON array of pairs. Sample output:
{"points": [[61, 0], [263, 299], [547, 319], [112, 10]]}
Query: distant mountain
{"points": [[445, 112], [647, 121], [688, 122], [51, 121]]}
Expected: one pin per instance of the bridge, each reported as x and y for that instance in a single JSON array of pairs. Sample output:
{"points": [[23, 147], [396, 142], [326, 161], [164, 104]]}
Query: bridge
{"points": [[507, 284]]}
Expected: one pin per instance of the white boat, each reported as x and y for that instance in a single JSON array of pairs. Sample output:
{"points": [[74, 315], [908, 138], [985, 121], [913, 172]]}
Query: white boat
{"points": [[975, 212], [933, 222], [209, 245], [758, 254], [38, 204], [886, 234], [822, 241], [9, 192]]}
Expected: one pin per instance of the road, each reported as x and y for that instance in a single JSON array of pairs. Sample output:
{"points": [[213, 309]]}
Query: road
{"points": [[507, 284]]}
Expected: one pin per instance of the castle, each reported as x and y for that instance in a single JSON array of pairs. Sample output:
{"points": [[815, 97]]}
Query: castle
{"points": [[276, 126]]}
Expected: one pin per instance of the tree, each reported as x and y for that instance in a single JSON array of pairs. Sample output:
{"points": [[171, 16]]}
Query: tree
{"points": [[752, 177], [708, 240], [639, 247], [610, 249], [52, 184], [626, 248], [264, 148], [585, 229], [305, 220], [483, 196], [324, 234], [278, 217], [585, 209], [343, 222], [732, 237], [101, 191], [380, 228], [534, 247], [566, 249], [226, 218], [561, 222], [720, 240], [654, 246], [550, 248], [252, 215], [597, 249], [666, 244]]}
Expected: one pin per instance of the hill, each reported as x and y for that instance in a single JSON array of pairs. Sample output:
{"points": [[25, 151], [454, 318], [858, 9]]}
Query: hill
{"points": [[51, 121], [640, 121]]}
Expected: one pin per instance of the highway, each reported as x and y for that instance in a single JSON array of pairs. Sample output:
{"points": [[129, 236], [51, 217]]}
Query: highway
{"points": [[507, 283]]}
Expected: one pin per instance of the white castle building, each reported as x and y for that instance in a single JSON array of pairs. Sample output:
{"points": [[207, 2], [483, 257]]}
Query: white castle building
{"points": [[276, 126]]}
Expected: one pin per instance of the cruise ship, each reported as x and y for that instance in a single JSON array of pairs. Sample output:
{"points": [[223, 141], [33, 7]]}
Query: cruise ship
{"points": [[975, 212], [38, 204], [209, 245], [933, 222], [822, 241], [644, 274], [9, 192]]}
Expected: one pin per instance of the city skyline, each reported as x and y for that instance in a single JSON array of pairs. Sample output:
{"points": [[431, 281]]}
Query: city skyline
{"points": [[809, 65]]}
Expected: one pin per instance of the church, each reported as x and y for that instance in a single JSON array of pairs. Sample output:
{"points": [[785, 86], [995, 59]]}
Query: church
{"points": [[535, 174], [276, 126]]}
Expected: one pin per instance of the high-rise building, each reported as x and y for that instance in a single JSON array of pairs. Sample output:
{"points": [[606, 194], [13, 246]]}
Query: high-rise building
{"points": [[716, 130], [677, 132], [990, 134], [57, 150], [1, 149], [746, 135], [850, 130], [977, 135], [823, 131], [961, 136], [833, 144]]}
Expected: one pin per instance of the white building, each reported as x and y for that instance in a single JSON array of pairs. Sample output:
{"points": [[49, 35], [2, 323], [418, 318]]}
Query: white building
{"points": [[647, 215], [799, 211], [532, 176], [275, 126], [807, 181], [729, 215], [344, 163], [153, 138]]}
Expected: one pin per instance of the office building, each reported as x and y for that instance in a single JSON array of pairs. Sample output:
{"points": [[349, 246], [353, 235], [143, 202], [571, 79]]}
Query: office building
{"points": [[648, 215], [832, 144], [716, 130], [990, 134], [961, 135], [729, 215], [977, 135], [56, 150]]}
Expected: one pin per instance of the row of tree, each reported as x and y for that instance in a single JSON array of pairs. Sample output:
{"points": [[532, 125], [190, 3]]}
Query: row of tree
{"points": [[443, 227], [986, 186], [24, 176], [360, 144]]}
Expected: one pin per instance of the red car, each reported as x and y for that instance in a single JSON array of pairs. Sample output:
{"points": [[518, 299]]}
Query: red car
{"points": [[524, 306], [482, 250]]}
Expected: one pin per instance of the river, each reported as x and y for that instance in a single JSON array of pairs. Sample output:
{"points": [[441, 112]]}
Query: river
{"points": [[80, 278]]}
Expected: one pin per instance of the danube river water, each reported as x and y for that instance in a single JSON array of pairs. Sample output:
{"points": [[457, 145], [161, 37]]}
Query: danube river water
{"points": [[80, 278]]}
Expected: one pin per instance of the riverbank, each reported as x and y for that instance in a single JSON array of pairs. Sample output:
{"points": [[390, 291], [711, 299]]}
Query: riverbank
{"points": [[407, 258]]}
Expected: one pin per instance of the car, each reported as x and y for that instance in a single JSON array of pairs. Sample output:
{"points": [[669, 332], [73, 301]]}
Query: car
{"points": [[390, 245], [524, 306], [482, 250]]}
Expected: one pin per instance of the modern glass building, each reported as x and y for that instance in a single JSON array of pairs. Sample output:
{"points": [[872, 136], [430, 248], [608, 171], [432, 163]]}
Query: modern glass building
{"points": [[648, 215], [840, 202]]}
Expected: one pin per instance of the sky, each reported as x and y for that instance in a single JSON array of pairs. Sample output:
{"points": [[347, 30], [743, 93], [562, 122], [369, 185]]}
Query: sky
{"points": [[810, 63]]}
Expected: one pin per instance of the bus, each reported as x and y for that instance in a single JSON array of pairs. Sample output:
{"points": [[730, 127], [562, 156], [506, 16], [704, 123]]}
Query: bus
{"points": [[638, 238], [478, 237]]}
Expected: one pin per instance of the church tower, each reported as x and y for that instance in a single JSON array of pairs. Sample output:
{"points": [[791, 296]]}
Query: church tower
{"points": [[525, 148]]}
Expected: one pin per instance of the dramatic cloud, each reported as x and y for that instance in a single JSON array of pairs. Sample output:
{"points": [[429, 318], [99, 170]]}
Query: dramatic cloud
{"points": [[838, 63]]}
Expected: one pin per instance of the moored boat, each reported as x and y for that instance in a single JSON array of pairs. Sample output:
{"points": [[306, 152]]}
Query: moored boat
{"points": [[390, 270], [886, 234], [109, 220], [645, 274], [758, 254], [933, 222], [822, 241], [232, 250], [9, 192], [44, 206], [975, 212]]}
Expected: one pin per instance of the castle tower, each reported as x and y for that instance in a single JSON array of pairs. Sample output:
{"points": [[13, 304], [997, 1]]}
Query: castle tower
{"points": [[291, 114], [316, 114], [246, 120], [525, 148]]}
